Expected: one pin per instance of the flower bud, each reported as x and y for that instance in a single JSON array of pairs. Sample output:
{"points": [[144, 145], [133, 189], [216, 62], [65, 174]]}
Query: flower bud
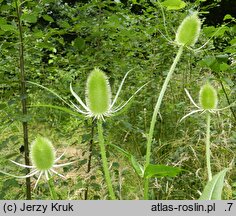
{"points": [[98, 92], [42, 154], [188, 31], [208, 97]]}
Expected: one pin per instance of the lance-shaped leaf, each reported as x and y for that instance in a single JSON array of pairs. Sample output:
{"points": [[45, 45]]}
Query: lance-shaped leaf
{"points": [[158, 170], [138, 168], [213, 189]]}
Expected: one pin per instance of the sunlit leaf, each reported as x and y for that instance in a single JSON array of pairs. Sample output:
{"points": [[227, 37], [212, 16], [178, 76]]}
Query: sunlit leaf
{"points": [[159, 171], [174, 4], [227, 16]]}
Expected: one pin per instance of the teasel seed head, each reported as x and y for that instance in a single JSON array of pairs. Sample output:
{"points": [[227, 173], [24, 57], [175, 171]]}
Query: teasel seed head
{"points": [[208, 97], [98, 92], [189, 30], [42, 154]]}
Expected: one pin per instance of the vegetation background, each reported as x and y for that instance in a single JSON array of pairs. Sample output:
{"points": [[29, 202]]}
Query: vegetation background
{"points": [[64, 40]]}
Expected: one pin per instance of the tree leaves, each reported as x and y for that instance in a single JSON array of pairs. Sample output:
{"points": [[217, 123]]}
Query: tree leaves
{"points": [[7, 27], [48, 18], [174, 4], [30, 17]]}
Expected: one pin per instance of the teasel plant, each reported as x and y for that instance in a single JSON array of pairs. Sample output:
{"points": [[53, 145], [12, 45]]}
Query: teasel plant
{"points": [[44, 162], [208, 105], [186, 36], [98, 106]]}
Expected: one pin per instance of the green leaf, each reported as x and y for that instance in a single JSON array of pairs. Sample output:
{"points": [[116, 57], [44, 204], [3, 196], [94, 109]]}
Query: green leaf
{"points": [[48, 18], [174, 4], [224, 67], [3, 21], [209, 31], [138, 168], [159, 171], [228, 16], [7, 27], [135, 164], [208, 61], [213, 189], [30, 18], [79, 44], [122, 151], [2, 106]]}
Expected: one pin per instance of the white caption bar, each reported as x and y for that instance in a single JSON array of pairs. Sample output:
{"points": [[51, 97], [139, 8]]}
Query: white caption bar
{"points": [[118, 208]]}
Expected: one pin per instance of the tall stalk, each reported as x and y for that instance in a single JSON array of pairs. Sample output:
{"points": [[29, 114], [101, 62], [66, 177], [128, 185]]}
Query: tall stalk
{"points": [[91, 142], [208, 151], [104, 159], [154, 116], [52, 189], [23, 95]]}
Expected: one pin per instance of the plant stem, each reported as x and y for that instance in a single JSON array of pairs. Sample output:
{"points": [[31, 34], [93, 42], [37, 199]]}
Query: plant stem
{"points": [[90, 156], [154, 116], [208, 151], [23, 95], [104, 159], [52, 189], [228, 100]]}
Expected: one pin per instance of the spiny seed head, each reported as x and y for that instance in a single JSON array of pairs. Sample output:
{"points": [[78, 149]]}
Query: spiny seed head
{"points": [[208, 97], [42, 154], [189, 30], [98, 92]]}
